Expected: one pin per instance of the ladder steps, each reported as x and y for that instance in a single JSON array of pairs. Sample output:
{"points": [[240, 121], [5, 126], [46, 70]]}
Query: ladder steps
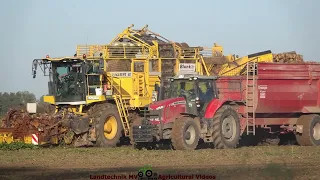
{"points": [[250, 97], [123, 112]]}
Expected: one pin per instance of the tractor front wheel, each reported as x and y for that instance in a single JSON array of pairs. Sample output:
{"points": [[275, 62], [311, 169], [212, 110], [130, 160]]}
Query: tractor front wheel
{"points": [[185, 134], [108, 127], [226, 128]]}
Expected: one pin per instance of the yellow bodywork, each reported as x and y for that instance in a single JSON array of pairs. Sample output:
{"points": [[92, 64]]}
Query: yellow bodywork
{"points": [[6, 137], [132, 69], [137, 86], [236, 67]]}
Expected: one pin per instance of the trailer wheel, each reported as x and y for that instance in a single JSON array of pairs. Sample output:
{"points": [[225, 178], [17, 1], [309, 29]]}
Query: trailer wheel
{"points": [[108, 126], [185, 134], [311, 130], [226, 128]]}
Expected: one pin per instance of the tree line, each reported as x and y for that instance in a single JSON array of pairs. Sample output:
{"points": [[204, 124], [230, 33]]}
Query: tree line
{"points": [[19, 100]]}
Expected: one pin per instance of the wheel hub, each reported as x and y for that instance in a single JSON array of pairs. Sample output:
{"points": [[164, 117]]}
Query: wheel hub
{"points": [[229, 128], [110, 127], [316, 131], [190, 135]]}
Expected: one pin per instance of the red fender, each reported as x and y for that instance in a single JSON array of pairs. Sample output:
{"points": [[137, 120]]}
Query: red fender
{"points": [[212, 108]]}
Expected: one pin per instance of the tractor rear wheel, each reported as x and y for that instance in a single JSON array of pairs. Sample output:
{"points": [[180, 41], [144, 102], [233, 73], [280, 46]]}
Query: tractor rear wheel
{"points": [[311, 130], [108, 126], [185, 134], [226, 128]]}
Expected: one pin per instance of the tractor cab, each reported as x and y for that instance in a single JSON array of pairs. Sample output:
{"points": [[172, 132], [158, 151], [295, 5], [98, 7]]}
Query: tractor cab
{"points": [[197, 91], [70, 78]]}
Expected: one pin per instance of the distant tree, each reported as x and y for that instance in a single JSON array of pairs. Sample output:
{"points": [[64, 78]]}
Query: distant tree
{"points": [[15, 100], [41, 100], [43, 107]]}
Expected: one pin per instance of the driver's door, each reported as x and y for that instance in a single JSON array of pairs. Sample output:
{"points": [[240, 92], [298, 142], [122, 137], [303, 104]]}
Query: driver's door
{"points": [[189, 90], [205, 93]]}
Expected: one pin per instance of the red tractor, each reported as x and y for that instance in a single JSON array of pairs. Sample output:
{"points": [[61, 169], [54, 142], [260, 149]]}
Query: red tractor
{"points": [[278, 98]]}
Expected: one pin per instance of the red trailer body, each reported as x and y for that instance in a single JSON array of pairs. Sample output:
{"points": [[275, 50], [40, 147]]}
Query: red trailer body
{"points": [[281, 88], [282, 93]]}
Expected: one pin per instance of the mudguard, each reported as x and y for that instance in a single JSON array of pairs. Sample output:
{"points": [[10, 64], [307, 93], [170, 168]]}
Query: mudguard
{"points": [[212, 107]]}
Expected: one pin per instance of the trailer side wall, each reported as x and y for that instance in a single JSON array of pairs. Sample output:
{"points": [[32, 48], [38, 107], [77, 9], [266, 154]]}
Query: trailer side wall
{"points": [[281, 88]]}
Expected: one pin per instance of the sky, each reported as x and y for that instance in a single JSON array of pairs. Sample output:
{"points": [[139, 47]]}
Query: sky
{"points": [[36, 28]]}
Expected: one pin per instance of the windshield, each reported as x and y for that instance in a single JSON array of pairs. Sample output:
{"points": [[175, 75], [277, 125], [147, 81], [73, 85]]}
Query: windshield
{"points": [[69, 81], [180, 88], [200, 88]]}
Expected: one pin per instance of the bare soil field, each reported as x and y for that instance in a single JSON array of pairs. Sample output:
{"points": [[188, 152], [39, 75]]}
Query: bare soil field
{"points": [[260, 162]]}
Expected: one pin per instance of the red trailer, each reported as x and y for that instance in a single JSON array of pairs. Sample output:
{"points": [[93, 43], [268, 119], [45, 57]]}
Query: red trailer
{"points": [[278, 98]]}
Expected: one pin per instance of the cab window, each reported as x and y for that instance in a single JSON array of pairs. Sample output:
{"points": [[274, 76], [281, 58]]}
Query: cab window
{"points": [[178, 85], [205, 91]]}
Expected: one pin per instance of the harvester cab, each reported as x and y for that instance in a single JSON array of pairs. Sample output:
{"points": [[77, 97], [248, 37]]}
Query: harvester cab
{"points": [[70, 78]]}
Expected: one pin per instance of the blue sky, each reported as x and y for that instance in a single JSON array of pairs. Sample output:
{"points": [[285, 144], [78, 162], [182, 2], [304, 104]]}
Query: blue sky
{"points": [[32, 29]]}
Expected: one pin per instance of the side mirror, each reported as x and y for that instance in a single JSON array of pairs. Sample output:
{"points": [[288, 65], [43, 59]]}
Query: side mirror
{"points": [[156, 87], [85, 68], [157, 91], [34, 68], [161, 93], [34, 73]]}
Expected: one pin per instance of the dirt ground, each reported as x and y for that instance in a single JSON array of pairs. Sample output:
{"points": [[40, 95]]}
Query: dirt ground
{"points": [[260, 162]]}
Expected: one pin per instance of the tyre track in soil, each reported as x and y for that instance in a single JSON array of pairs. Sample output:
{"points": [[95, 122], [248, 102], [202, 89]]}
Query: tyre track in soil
{"points": [[283, 162]]}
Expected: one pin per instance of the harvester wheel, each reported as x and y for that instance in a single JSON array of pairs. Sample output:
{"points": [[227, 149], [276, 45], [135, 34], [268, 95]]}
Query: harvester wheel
{"points": [[108, 126], [95, 110], [185, 134], [226, 128], [311, 130]]}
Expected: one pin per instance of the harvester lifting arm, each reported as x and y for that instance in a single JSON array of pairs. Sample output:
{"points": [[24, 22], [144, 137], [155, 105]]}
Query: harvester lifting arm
{"points": [[238, 66], [156, 34], [161, 37], [43, 66], [146, 30], [129, 33], [204, 65]]}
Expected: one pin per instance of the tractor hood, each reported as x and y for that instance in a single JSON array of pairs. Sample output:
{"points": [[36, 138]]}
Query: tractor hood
{"points": [[163, 103]]}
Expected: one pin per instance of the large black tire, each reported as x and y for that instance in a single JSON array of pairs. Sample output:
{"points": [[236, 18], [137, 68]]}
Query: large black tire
{"points": [[108, 112], [179, 134], [309, 136], [220, 126], [95, 110]]}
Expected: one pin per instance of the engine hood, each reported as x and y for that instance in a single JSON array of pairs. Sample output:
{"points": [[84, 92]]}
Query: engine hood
{"points": [[161, 104]]}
